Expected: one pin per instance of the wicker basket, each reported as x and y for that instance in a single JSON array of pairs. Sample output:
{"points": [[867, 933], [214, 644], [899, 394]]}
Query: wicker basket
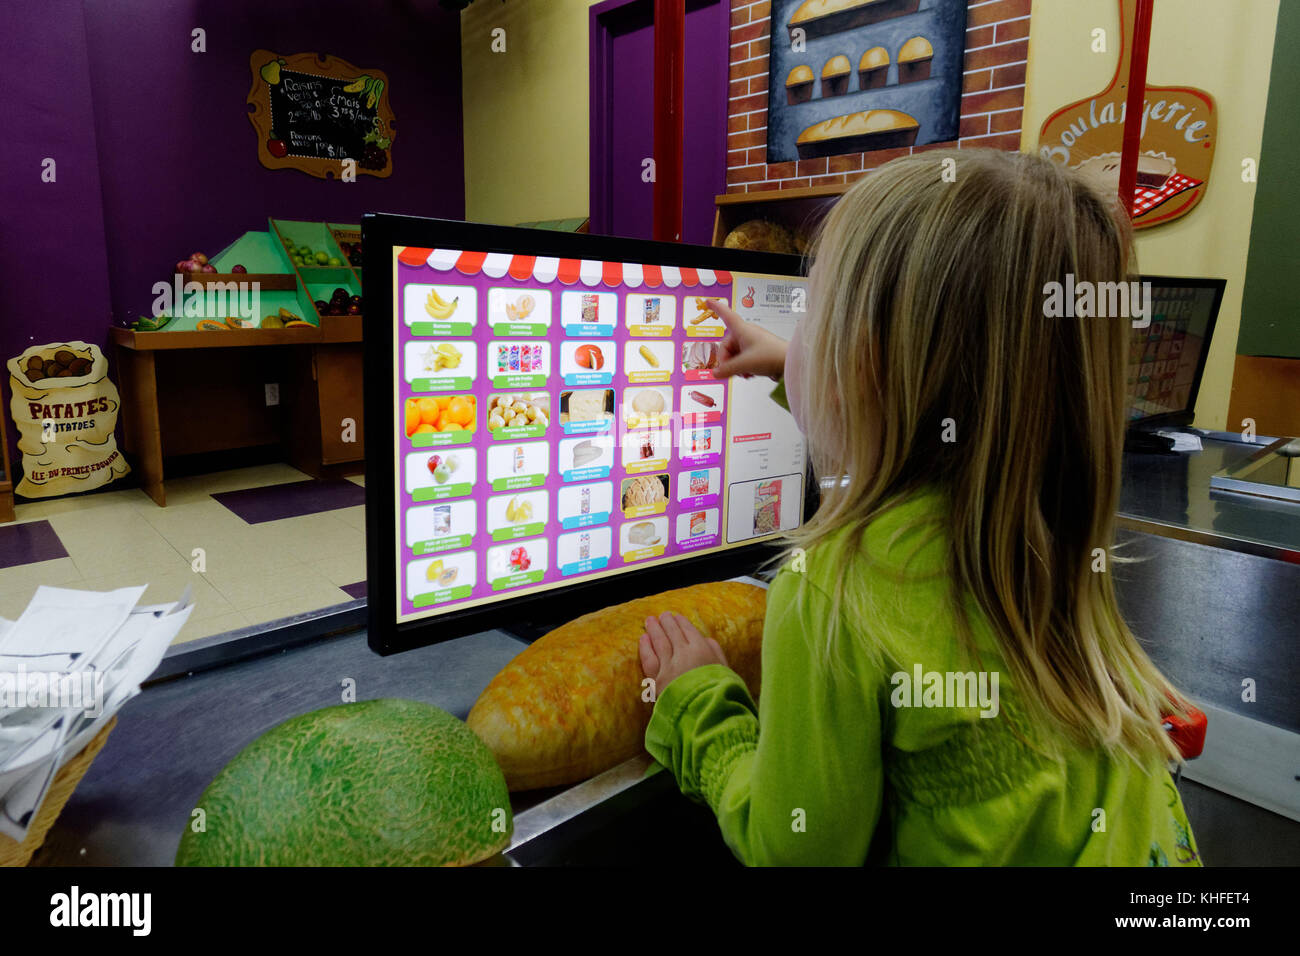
{"points": [[65, 781]]}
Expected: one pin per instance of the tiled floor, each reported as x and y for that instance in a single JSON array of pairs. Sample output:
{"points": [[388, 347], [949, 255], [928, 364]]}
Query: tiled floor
{"points": [[241, 573]]}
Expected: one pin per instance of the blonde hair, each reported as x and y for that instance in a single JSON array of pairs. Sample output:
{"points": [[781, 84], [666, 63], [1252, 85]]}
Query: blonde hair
{"points": [[927, 304]]}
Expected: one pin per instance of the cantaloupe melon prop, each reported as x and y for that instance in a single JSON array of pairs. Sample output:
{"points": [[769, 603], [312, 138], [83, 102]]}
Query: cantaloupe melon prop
{"points": [[375, 783], [569, 706]]}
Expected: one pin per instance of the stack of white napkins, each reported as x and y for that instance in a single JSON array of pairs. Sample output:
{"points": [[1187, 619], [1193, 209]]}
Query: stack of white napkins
{"points": [[66, 666]]}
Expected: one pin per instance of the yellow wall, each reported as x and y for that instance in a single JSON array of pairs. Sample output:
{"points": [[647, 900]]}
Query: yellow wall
{"points": [[526, 110], [1225, 48]]}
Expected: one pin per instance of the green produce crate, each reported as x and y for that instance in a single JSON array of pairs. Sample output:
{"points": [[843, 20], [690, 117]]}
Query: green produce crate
{"points": [[258, 252], [313, 235]]}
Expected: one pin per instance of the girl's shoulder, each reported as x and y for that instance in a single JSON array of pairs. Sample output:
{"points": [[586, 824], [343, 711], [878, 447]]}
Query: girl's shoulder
{"points": [[905, 543], [890, 578]]}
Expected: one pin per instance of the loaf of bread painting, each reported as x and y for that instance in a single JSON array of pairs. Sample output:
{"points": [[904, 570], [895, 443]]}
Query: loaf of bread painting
{"points": [[570, 705]]}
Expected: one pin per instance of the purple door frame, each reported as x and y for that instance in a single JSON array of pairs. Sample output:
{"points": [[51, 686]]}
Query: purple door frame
{"points": [[708, 153]]}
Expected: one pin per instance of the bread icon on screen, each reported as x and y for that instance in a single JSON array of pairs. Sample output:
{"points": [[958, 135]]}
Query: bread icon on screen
{"points": [[914, 60], [799, 85], [873, 68], [835, 76]]}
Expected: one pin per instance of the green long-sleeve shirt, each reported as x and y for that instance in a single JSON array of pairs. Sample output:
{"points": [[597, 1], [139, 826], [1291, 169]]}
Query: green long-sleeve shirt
{"points": [[829, 769]]}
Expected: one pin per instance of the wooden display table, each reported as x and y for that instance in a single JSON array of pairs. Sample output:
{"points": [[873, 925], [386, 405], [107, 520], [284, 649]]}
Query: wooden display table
{"points": [[187, 393]]}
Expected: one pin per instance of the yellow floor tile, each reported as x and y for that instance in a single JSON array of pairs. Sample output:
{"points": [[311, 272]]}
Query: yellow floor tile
{"points": [[176, 522], [354, 517], [245, 589], [22, 581], [230, 550], [29, 510], [358, 480], [312, 537], [146, 556], [343, 568], [319, 597], [84, 523], [165, 588], [197, 627]]}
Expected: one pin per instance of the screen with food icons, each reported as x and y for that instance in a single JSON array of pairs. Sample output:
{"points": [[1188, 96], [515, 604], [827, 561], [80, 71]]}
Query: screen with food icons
{"points": [[559, 421]]}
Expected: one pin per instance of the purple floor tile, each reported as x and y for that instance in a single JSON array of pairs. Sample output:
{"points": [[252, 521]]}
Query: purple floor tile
{"points": [[272, 502], [29, 543], [357, 590]]}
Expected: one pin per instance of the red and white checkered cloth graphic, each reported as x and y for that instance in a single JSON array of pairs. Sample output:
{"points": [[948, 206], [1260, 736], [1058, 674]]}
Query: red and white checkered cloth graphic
{"points": [[1145, 198]]}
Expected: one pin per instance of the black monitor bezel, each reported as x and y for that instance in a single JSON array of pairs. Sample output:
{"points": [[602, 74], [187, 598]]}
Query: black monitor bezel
{"points": [[1185, 415], [381, 231]]}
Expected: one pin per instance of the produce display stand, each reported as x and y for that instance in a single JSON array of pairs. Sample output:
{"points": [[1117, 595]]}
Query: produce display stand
{"points": [[187, 391]]}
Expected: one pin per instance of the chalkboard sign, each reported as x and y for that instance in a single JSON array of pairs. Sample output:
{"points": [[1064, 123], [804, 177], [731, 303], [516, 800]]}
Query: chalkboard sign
{"points": [[314, 112]]}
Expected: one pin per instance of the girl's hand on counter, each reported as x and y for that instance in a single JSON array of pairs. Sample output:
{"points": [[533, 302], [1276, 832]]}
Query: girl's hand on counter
{"points": [[747, 349], [671, 646]]}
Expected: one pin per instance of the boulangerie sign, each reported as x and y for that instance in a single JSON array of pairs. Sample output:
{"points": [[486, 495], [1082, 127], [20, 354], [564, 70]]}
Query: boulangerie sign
{"points": [[65, 408], [1179, 132]]}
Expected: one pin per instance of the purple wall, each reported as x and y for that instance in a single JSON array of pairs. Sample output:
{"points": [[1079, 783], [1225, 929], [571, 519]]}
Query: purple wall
{"points": [[156, 156], [178, 155]]}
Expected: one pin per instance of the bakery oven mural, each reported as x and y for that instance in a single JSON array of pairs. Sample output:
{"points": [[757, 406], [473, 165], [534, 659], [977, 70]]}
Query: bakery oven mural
{"points": [[1179, 131], [851, 76]]}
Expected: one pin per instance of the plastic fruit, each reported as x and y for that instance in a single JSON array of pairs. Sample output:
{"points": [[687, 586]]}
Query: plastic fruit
{"points": [[321, 306], [238, 270], [335, 260]]}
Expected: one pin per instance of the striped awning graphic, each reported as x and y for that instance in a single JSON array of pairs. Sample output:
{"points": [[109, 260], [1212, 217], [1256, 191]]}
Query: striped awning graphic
{"points": [[589, 272]]}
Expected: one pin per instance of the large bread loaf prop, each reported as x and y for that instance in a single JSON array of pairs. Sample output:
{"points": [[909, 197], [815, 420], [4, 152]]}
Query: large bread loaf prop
{"points": [[569, 706]]}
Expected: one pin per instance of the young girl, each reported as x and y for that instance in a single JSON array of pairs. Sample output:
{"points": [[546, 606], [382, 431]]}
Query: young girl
{"points": [[946, 676]]}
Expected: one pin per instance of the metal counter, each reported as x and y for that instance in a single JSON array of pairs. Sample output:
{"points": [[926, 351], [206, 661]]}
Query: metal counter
{"points": [[1170, 495], [1209, 616]]}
